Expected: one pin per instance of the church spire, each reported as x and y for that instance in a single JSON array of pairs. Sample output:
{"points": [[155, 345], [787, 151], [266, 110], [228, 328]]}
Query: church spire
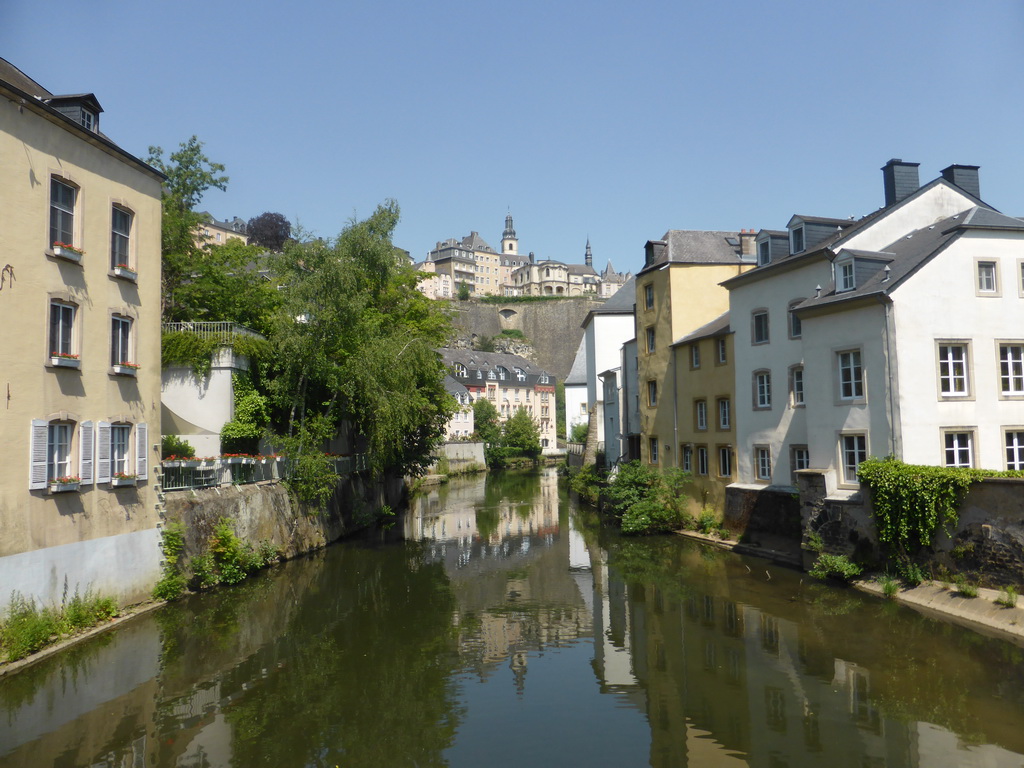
{"points": [[509, 243], [588, 258]]}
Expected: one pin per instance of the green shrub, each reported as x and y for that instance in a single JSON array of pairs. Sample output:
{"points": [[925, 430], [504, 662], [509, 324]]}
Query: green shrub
{"points": [[964, 587], [890, 586], [172, 583], [707, 521], [829, 566], [27, 628], [1008, 597], [650, 515], [172, 445], [578, 433], [586, 483], [910, 572], [203, 575], [646, 500], [513, 333]]}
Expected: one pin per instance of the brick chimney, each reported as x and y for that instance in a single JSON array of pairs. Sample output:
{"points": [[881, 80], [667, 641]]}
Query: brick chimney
{"points": [[901, 180]]}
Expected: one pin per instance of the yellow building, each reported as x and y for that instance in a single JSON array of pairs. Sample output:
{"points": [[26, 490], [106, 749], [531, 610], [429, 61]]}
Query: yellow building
{"points": [[702, 364], [213, 232], [80, 362], [678, 291], [473, 263]]}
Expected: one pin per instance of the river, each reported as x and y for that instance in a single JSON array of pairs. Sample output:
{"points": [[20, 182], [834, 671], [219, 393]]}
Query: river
{"points": [[499, 625]]}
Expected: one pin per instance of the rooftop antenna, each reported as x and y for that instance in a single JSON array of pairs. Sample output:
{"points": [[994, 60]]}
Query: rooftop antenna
{"points": [[887, 271]]}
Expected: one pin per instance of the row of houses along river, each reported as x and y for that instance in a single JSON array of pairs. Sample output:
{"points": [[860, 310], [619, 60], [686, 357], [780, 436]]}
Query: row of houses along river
{"points": [[499, 625]]}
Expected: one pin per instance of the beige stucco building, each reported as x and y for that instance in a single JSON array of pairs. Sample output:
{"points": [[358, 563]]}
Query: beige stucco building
{"points": [[80, 363], [678, 291], [703, 381], [213, 232]]}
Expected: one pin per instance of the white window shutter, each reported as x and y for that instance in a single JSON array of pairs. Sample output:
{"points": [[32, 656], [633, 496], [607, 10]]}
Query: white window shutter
{"points": [[86, 451], [37, 455], [103, 452], [142, 451]]}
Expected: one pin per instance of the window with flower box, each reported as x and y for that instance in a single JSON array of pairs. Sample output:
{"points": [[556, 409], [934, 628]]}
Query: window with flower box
{"points": [[120, 242], [63, 198], [121, 345], [63, 349]]}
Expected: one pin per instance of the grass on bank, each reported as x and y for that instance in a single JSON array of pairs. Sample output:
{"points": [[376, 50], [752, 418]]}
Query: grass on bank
{"points": [[29, 628]]}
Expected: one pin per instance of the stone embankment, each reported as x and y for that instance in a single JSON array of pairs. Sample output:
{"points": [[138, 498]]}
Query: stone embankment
{"points": [[982, 613]]}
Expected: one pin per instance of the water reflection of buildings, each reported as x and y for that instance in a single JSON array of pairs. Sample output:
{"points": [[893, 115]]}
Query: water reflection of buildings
{"points": [[727, 683], [505, 555]]}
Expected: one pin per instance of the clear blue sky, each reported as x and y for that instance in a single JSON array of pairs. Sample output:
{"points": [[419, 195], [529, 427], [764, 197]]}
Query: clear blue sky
{"points": [[613, 120]]}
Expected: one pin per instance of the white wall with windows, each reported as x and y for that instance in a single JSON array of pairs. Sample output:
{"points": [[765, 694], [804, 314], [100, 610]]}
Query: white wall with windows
{"points": [[603, 337]]}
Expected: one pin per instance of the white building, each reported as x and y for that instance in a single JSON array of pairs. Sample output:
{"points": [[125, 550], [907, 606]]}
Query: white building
{"points": [[605, 329], [843, 354], [577, 407]]}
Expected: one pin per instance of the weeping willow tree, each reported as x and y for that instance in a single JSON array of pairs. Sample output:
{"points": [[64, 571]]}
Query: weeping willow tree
{"points": [[355, 345]]}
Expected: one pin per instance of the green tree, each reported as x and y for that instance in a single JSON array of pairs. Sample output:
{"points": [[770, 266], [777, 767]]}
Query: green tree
{"points": [[190, 173], [463, 292], [227, 282], [520, 433], [578, 434], [486, 422], [355, 343]]}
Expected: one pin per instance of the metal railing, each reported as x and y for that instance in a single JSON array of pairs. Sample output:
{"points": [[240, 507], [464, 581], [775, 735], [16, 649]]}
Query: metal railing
{"points": [[222, 330], [190, 475]]}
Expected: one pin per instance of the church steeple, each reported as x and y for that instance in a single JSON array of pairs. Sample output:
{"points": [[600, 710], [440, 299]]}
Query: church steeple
{"points": [[509, 243], [588, 258]]}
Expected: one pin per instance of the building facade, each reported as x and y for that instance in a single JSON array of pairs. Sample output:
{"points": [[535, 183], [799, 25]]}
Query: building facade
{"points": [[80, 298], [510, 382], [678, 291]]}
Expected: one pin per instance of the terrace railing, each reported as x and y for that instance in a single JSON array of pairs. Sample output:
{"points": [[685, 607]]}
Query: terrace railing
{"points": [[223, 331], [194, 474]]}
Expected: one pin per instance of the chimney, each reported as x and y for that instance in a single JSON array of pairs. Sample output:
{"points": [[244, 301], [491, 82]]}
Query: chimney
{"points": [[965, 177], [532, 259], [901, 180], [747, 247]]}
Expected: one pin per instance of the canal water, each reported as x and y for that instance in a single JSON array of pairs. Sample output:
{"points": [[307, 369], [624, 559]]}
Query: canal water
{"points": [[504, 627]]}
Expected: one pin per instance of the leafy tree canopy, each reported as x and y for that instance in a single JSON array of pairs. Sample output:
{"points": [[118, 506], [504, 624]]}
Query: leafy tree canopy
{"points": [[486, 422], [269, 230], [521, 433]]}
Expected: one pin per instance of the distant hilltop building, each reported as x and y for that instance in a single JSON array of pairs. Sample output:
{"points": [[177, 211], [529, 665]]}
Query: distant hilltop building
{"points": [[488, 272], [213, 232]]}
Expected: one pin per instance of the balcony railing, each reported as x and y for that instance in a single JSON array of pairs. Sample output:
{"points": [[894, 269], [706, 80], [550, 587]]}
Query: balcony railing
{"points": [[223, 331], [194, 474]]}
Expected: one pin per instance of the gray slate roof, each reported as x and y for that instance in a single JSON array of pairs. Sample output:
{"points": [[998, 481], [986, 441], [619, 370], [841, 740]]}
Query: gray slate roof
{"points": [[454, 388], [717, 327], [578, 372], [905, 256], [475, 360], [474, 242], [693, 246]]}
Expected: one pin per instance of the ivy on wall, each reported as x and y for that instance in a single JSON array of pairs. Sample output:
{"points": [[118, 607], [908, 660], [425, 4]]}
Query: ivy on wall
{"points": [[196, 352], [911, 501]]}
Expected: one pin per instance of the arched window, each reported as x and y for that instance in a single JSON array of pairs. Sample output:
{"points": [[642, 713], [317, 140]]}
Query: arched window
{"points": [[460, 370]]}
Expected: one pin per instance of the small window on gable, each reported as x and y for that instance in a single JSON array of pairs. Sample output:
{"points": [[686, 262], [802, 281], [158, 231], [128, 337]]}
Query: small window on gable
{"points": [[796, 239], [695, 355], [460, 370], [764, 253], [722, 352], [845, 280], [89, 120]]}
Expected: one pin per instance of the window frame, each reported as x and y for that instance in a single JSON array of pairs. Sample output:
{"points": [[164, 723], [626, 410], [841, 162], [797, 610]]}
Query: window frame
{"points": [[703, 464], [725, 461], [63, 427], [649, 296], [979, 280], [846, 276], [121, 339], [71, 335], [795, 325], [1017, 447], [724, 408], [851, 389], [59, 212], [651, 341], [797, 238], [955, 448], [652, 450], [859, 449], [795, 453], [124, 238], [797, 394], [1009, 376], [761, 381], [762, 463], [687, 457], [947, 362], [759, 331], [652, 393], [695, 355], [700, 415], [722, 351], [764, 253]]}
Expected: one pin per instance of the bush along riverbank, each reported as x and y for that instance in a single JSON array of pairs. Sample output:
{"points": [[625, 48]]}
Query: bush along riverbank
{"points": [[643, 500], [28, 628]]}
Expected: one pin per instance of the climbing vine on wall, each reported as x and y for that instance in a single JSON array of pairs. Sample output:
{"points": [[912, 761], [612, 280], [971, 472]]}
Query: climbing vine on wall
{"points": [[196, 352], [912, 501]]}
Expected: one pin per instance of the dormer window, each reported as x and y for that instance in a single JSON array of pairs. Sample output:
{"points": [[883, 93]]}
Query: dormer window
{"points": [[764, 253], [460, 370], [88, 120], [845, 280], [796, 240]]}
